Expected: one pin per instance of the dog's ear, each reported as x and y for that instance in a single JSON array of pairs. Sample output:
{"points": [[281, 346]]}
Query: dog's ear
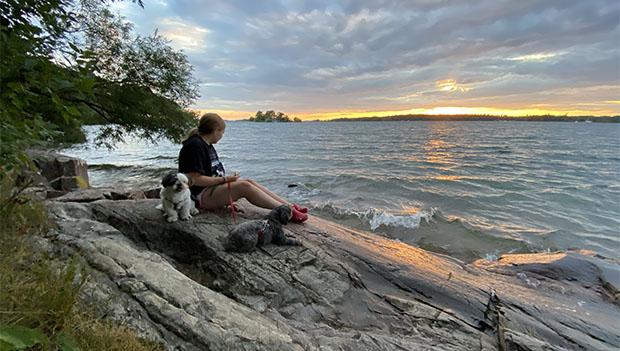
{"points": [[169, 179], [184, 178], [284, 213], [280, 214]]}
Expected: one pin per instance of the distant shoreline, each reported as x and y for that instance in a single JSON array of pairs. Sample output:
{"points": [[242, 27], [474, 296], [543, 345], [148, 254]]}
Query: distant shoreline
{"points": [[543, 118]]}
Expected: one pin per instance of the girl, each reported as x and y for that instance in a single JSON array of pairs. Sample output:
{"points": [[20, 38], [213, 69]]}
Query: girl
{"points": [[199, 161]]}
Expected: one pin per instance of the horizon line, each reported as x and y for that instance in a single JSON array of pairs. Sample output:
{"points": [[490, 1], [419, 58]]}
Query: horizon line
{"points": [[439, 111]]}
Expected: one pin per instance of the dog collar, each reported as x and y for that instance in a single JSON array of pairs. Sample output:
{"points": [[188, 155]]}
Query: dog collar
{"points": [[261, 232]]}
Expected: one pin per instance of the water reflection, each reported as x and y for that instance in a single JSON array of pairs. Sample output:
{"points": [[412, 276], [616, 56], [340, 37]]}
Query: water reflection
{"points": [[437, 148]]}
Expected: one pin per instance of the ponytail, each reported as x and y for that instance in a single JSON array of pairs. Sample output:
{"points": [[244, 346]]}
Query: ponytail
{"points": [[190, 133], [207, 124]]}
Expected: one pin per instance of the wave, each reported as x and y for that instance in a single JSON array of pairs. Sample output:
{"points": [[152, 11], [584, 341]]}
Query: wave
{"points": [[107, 166], [376, 218], [133, 168], [429, 229], [137, 176], [162, 157]]}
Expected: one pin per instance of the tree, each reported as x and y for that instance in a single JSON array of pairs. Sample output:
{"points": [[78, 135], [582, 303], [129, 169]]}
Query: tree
{"points": [[270, 116], [63, 65]]}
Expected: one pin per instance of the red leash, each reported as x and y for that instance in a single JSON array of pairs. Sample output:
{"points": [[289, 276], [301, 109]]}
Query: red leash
{"points": [[233, 213]]}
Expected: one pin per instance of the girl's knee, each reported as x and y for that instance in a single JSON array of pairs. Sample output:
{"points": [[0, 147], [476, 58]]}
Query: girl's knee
{"points": [[244, 186]]}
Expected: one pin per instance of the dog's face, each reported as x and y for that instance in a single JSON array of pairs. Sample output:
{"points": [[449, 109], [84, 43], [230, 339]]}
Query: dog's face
{"points": [[176, 181], [281, 214]]}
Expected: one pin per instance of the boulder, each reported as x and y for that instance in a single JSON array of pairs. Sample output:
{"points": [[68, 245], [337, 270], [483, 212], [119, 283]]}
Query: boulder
{"points": [[344, 289], [62, 172], [101, 193]]}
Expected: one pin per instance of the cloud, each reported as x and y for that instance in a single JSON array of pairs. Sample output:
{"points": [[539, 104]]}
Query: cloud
{"points": [[450, 85], [188, 37], [304, 55]]}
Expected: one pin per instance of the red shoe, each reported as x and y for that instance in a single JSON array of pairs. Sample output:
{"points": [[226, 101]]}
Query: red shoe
{"points": [[300, 209], [298, 216]]}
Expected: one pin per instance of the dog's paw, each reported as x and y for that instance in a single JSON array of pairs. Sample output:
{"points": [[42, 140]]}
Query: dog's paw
{"points": [[194, 211], [185, 218], [171, 219]]}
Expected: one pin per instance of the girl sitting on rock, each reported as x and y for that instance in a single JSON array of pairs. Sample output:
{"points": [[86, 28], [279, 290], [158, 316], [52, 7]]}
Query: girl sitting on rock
{"points": [[210, 185]]}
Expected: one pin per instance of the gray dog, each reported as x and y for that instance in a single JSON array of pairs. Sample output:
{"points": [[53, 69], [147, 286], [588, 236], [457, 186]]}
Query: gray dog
{"points": [[247, 236]]}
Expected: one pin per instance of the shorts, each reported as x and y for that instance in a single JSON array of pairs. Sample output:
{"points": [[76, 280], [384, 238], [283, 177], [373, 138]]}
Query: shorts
{"points": [[200, 196]]}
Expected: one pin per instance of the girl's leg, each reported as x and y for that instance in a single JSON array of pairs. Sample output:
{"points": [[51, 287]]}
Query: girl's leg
{"points": [[267, 191], [220, 197], [276, 197]]}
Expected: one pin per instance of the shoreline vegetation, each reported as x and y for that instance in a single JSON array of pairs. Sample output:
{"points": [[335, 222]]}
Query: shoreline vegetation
{"points": [[65, 64], [40, 293], [272, 116], [538, 118]]}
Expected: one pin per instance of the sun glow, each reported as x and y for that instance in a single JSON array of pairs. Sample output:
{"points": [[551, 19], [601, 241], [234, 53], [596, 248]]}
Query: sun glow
{"points": [[440, 110], [450, 85]]}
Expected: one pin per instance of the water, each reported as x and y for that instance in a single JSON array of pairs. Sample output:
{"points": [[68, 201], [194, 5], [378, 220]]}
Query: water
{"points": [[467, 189]]}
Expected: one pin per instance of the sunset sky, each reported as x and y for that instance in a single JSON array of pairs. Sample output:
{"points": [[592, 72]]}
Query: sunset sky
{"points": [[327, 59]]}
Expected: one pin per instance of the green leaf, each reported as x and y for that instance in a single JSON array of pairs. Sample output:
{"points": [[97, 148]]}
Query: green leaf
{"points": [[72, 111], [66, 342], [20, 338], [5, 346]]}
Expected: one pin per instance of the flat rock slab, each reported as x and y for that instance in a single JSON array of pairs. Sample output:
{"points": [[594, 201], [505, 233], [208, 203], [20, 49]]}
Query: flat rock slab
{"points": [[343, 289]]}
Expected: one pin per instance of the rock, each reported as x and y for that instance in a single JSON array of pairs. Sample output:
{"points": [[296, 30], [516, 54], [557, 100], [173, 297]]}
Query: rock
{"points": [[84, 195], [38, 193], [34, 178], [581, 268], [62, 172], [53, 193], [95, 194], [68, 183], [343, 289], [152, 193]]}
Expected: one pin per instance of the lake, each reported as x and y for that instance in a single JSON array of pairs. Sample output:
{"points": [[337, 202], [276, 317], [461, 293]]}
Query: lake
{"points": [[467, 189]]}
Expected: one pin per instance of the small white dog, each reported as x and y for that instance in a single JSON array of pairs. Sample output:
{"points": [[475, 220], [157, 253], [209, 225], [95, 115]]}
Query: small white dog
{"points": [[176, 200]]}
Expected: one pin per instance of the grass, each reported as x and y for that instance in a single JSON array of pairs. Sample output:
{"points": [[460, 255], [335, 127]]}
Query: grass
{"points": [[40, 294]]}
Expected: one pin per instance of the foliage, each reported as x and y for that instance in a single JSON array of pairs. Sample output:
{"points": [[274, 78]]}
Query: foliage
{"points": [[143, 84], [21, 338], [119, 57], [63, 65], [94, 333], [39, 296], [272, 116]]}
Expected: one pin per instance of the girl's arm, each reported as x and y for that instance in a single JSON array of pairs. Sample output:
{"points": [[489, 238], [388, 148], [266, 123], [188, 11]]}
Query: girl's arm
{"points": [[203, 180]]}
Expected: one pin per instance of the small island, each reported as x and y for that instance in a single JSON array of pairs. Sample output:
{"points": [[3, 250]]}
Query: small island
{"points": [[272, 116]]}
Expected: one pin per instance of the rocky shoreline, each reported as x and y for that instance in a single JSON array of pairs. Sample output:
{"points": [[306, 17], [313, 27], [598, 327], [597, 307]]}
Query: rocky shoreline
{"points": [[344, 289]]}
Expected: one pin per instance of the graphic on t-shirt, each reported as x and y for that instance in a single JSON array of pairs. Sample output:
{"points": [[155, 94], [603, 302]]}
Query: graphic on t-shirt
{"points": [[217, 169]]}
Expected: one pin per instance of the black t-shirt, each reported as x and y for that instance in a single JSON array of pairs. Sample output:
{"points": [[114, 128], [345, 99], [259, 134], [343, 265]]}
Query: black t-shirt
{"points": [[198, 156]]}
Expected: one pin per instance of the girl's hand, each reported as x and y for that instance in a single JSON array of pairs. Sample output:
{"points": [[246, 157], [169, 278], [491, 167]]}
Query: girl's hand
{"points": [[230, 179]]}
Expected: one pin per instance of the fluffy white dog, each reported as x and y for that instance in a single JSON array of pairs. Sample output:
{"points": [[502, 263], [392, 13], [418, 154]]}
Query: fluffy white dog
{"points": [[176, 200]]}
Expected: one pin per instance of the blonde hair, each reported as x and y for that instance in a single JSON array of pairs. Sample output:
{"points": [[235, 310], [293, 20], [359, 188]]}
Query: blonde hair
{"points": [[207, 124]]}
